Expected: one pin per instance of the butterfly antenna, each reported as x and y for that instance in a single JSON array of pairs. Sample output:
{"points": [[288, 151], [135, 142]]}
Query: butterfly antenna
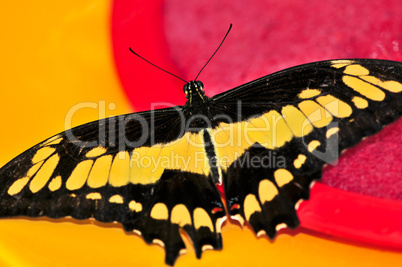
{"points": [[157, 66], [230, 27]]}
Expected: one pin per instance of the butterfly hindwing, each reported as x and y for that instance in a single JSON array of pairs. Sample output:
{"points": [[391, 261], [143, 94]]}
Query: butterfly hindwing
{"points": [[185, 200]]}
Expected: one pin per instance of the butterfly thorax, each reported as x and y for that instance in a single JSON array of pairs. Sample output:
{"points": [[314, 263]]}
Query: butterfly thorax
{"points": [[197, 102]]}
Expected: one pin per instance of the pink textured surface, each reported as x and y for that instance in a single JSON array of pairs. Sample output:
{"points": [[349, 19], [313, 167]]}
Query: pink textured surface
{"points": [[373, 167], [268, 36]]}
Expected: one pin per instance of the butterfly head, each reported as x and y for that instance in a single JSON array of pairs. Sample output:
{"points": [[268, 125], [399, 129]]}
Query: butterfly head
{"points": [[193, 88], [197, 101]]}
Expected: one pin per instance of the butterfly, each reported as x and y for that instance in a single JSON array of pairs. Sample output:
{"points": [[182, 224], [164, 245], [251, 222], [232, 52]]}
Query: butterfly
{"points": [[158, 171]]}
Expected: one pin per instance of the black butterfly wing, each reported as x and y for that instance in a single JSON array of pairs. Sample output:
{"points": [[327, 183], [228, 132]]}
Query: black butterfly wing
{"points": [[284, 127], [149, 172], [130, 169]]}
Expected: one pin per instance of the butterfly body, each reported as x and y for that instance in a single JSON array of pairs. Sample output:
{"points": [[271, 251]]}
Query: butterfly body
{"points": [[157, 172]]}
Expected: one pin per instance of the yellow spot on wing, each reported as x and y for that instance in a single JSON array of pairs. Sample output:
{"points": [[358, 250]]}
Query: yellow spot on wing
{"points": [[116, 199], [100, 172], [360, 102], [331, 132], [278, 131], [299, 161], [231, 140], [188, 154], [309, 93], [195, 154], [238, 218], [160, 212], [137, 232], [180, 215], [297, 122], [336, 107], [368, 90], [251, 205], [340, 65], [43, 175], [313, 145], [95, 152], [266, 191], [42, 154], [145, 167], [135, 206], [316, 114], [201, 218], [17, 186], [53, 140], [34, 169], [79, 175], [207, 247], [392, 86], [55, 183], [257, 130], [282, 177], [93, 196], [280, 226], [356, 70], [120, 171], [158, 242], [283, 134], [185, 154], [261, 233]]}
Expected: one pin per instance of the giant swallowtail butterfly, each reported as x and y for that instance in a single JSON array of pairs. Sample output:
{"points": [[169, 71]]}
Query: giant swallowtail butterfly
{"points": [[157, 172]]}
